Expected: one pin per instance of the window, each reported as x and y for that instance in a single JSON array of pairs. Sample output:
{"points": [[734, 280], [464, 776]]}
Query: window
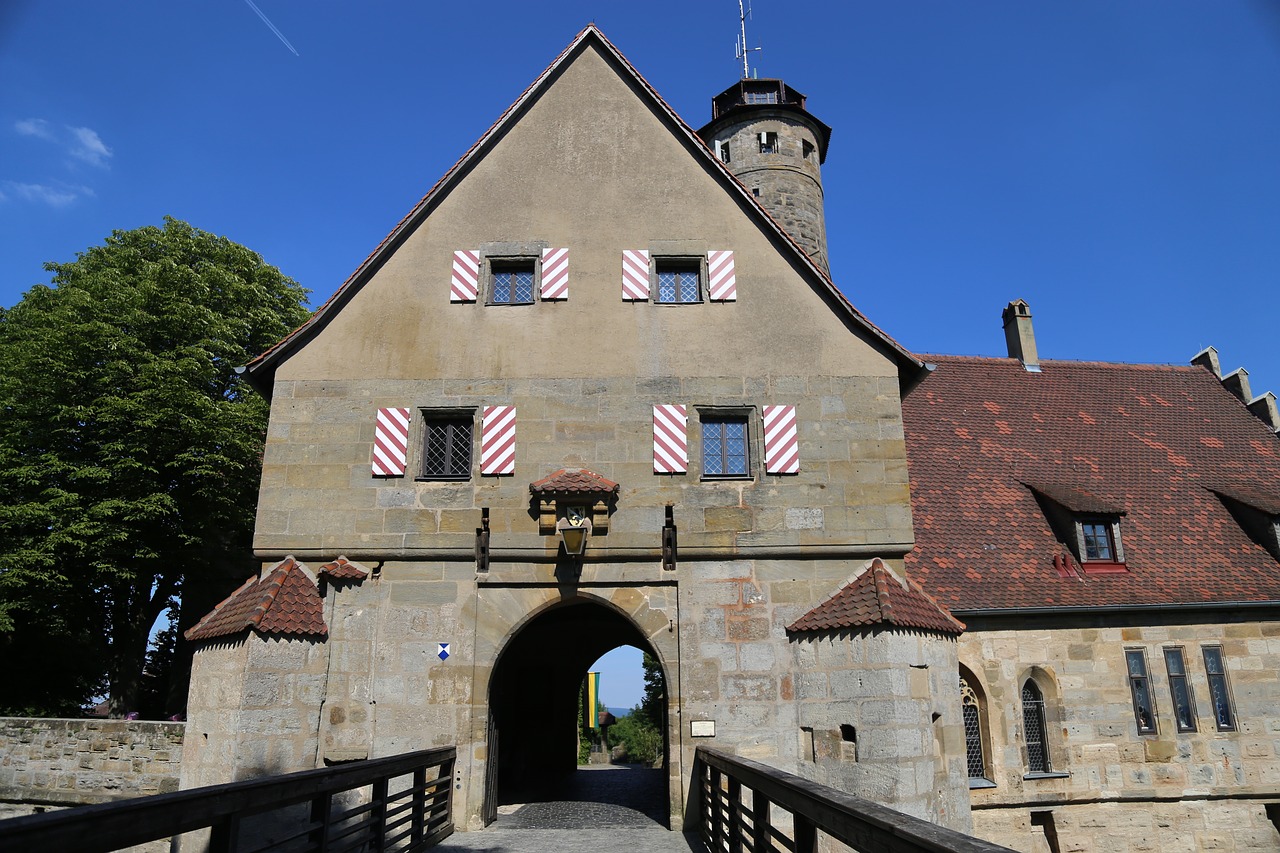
{"points": [[1143, 711], [724, 446], [971, 711], [761, 97], [806, 149], [1033, 728], [511, 281], [1184, 711], [723, 150], [679, 281], [1098, 542], [768, 142], [446, 446], [1219, 694]]}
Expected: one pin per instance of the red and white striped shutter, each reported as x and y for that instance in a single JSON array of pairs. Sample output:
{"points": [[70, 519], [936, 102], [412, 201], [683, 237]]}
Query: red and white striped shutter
{"points": [[390, 442], [635, 275], [670, 440], [555, 273], [498, 440], [781, 442], [724, 284], [466, 277]]}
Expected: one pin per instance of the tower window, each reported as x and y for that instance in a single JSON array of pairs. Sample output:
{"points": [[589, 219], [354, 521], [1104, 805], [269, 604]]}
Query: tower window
{"points": [[723, 149], [806, 148], [768, 142], [762, 97]]}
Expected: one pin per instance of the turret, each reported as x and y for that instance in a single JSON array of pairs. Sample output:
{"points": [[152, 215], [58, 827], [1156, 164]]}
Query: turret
{"points": [[761, 130]]}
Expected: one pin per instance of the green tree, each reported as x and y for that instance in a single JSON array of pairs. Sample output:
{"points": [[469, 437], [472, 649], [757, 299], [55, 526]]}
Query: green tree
{"points": [[129, 452], [653, 705]]}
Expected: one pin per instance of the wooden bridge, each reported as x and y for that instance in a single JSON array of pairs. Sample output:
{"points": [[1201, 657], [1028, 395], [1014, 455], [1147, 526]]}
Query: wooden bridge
{"points": [[405, 803]]}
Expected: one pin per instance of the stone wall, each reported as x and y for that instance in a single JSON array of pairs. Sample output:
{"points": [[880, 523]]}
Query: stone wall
{"points": [[1111, 788], [59, 763]]}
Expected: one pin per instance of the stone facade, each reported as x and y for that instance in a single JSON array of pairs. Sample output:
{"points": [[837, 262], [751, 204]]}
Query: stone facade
{"points": [[754, 553], [1111, 788], [59, 763]]}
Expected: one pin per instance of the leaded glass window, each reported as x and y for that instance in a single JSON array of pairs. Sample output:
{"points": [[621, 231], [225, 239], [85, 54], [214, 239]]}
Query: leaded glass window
{"points": [[972, 712], [512, 282], [1033, 728], [1219, 695], [678, 284], [724, 446], [1184, 712], [1140, 688], [446, 452]]}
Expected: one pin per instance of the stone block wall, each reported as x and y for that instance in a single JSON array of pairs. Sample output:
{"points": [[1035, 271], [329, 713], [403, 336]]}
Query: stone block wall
{"points": [[1113, 788], [52, 762]]}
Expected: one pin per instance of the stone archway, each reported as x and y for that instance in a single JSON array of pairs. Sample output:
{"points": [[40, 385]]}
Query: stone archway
{"points": [[528, 724]]}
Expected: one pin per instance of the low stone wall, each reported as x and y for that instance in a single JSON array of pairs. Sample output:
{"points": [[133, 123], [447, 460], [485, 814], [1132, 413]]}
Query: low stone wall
{"points": [[59, 763]]}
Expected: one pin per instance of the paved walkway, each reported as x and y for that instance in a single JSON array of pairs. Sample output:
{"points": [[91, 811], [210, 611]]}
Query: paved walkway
{"points": [[593, 810]]}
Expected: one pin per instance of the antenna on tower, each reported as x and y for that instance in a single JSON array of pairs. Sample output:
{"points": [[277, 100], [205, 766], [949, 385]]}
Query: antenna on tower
{"points": [[741, 50]]}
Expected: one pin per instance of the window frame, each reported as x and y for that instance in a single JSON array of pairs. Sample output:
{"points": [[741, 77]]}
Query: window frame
{"points": [[726, 415], [453, 418], [768, 142], [723, 151], [495, 264], [977, 748], [662, 264], [1099, 564], [1141, 682], [1222, 687], [1176, 679]]}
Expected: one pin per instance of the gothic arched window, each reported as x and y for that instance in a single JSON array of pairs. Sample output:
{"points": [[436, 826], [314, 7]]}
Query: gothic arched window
{"points": [[1033, 728], [971, 709]]}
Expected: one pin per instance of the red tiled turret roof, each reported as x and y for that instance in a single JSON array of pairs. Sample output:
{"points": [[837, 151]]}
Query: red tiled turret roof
{"points": [[878, 597], [574, 481], [286, 601], [343, 569]]}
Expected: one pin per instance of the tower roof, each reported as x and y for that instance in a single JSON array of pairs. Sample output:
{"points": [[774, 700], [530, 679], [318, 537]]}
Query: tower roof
{"points": [[746, 97]]}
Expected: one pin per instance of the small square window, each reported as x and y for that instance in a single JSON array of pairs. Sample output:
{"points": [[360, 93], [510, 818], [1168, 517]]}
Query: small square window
{"points": [[770, 97], [446, 446], [768, 142], [511, 281], [724, 446], [679, 281]]}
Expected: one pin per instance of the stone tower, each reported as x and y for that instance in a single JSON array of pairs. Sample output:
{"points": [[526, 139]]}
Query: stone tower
{"points": [[762, 131]]}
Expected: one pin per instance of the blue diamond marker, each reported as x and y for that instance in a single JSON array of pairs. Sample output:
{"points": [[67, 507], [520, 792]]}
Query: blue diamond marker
{"points": [[444, 650]]}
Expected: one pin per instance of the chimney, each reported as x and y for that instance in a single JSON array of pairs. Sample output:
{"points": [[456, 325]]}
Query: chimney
{"points": [[1208, 359], [1019, 335], [1237, 382], [1264, 409]]}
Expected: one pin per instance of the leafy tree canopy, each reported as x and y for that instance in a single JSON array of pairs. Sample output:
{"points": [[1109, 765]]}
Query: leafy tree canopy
{"points": [[129, 452]]}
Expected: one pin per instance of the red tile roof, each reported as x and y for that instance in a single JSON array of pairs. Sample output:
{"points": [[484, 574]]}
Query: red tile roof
{"points": [[574, 481], [1150, 441], [343, 569], [878, 597], [286, 601]]}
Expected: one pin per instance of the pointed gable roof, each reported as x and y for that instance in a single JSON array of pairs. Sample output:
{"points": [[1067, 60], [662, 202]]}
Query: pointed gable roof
{"points": [[878, 597], [285, 601], [260, 370]]}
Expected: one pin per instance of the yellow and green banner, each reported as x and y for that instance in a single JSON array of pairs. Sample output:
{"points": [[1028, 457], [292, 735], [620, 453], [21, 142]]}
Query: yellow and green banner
{"points": [[591, 700]]}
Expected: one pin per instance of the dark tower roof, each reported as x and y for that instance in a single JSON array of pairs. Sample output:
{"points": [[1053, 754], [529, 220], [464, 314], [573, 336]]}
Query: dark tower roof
{"points": [[755, 95]]}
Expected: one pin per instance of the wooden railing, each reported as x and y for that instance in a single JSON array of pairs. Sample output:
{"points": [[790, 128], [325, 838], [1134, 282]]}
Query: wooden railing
{"points": [[402, 803], [748, 806]]}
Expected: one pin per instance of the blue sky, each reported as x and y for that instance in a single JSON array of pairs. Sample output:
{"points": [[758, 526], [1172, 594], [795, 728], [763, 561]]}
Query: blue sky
{"points": [[1113, 162]]}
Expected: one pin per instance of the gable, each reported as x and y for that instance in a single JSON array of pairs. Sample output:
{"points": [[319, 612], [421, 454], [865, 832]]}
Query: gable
{"points": [[591, 160]]}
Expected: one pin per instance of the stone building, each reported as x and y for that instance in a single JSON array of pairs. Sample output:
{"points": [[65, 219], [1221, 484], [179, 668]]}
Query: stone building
{"points": [[1108, 535], [591, 335], [597, 388]]}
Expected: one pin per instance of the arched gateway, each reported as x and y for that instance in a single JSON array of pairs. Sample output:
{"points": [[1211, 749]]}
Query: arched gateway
{"points": [[590, 288]]}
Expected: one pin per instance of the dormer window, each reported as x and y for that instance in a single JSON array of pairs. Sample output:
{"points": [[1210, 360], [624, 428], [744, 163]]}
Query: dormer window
{"points": [[1100, 541], [1257, 513], [1088, 524]]}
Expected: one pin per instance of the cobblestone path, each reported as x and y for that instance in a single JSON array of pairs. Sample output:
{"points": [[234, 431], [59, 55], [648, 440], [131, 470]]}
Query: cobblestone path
{"points": [[594, 810]]}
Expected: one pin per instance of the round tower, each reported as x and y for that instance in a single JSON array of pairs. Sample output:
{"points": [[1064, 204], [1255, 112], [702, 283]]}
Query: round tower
{"points": [[761, 130]]}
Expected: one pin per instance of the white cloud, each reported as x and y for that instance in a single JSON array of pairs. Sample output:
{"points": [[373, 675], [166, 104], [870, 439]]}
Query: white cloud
{"points": [[81, 143], [88, 146], [59, 196], [36, 127]]}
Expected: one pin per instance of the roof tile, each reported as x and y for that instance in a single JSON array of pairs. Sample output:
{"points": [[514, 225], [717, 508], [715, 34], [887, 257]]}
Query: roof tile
{"points": [[285, 601], [878, 597]]}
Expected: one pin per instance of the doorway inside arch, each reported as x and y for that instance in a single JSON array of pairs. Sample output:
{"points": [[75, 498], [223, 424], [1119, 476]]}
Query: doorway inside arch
{"points": [[535, 726]]}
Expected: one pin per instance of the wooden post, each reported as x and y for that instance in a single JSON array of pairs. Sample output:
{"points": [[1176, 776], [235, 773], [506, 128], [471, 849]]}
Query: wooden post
{"points": [[378, 816], [419, 804], [761, 822], [735, 815], [321, 808], [715, 808], [806, 835]]}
